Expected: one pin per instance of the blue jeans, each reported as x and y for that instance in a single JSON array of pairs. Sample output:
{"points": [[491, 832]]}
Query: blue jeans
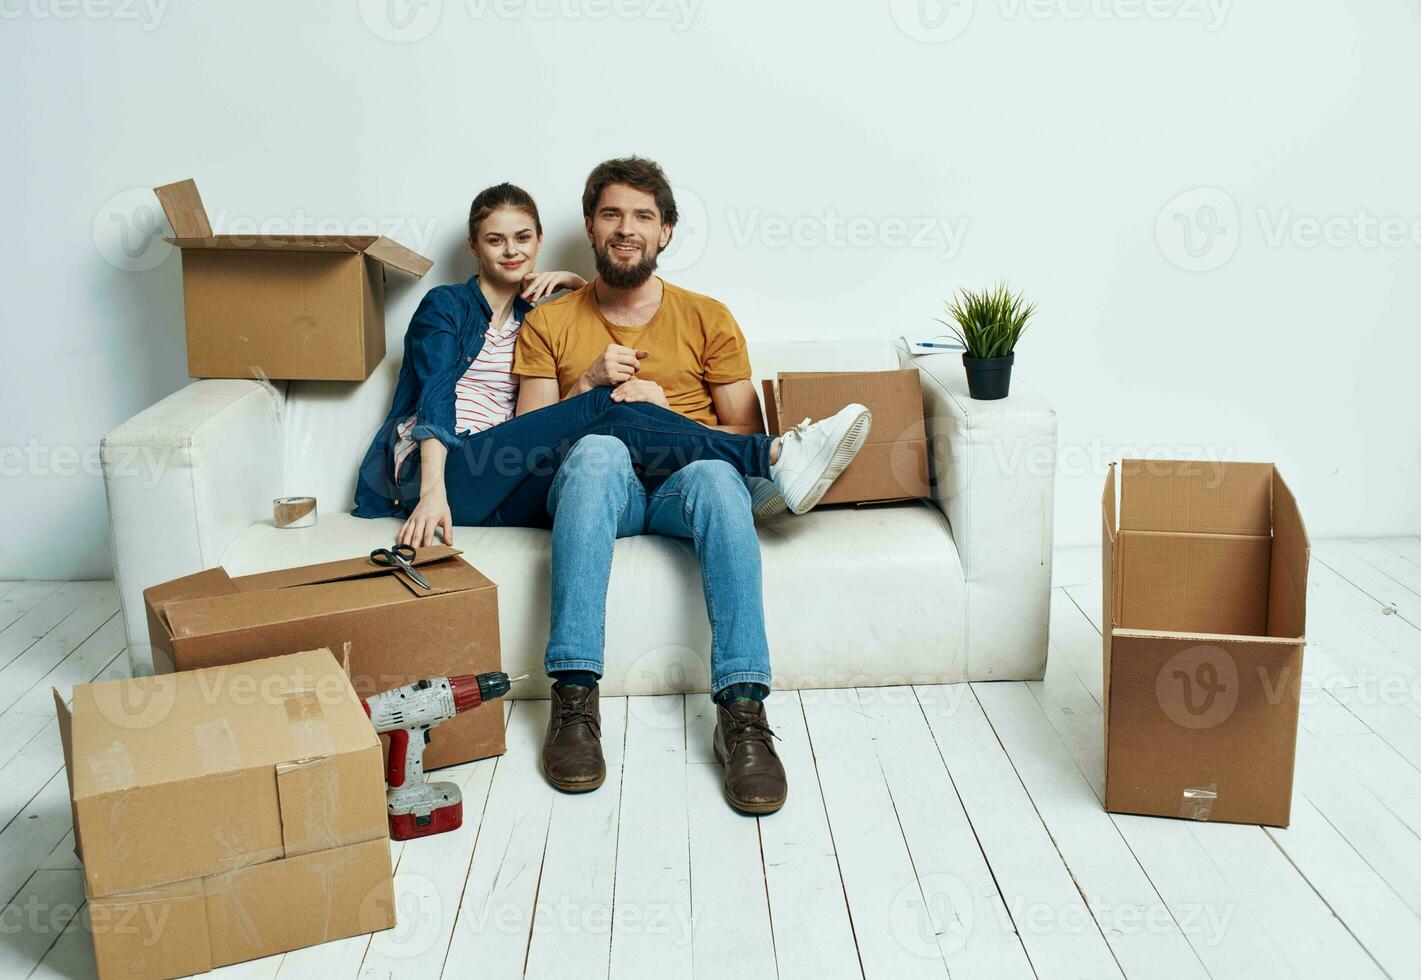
{"points": [[597, 497], [501, 477]]}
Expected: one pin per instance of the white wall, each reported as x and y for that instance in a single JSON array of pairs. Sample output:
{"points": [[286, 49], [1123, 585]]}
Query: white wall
{"points": [[1054, 137]]}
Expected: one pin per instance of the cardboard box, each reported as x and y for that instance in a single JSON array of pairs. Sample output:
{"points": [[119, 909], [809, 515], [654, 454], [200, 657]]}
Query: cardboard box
{"points": [[226, 814], [281, 306], [1204, 614], [893, 463], [398, 632]]}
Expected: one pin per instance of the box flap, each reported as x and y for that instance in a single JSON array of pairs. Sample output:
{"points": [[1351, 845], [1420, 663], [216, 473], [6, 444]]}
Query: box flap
{"points": [[336, 571], [382, 249], [772, 408], [66, 741], [1205, 497], [209, 582], [172, 727], [317, 816], [1288, 572], [396, 256], [183, 206]]}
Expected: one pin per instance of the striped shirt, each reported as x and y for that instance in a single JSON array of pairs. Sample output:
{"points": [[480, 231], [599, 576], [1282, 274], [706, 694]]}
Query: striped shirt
{"points": [[486, 395]]}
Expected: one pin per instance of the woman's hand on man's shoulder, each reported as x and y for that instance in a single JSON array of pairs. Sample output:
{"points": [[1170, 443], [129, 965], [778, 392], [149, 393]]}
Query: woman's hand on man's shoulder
{"points": [[539, 286]]}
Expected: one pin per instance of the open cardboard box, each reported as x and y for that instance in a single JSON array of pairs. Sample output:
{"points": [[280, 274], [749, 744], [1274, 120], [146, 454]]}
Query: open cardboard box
{"points": [[226, 814], [1204, 613], [398, 632], [893, 463], [281, 306]]}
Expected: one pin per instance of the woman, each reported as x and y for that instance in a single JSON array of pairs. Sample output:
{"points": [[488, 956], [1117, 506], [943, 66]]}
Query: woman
{"points": [[451, 451]]}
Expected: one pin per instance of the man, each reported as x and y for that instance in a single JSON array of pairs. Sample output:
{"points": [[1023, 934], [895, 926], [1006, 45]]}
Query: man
{"points": [[658, 343]]}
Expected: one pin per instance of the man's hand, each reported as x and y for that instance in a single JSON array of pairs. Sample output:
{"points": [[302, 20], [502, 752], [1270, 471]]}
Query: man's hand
{"points": [[617, 364], [640, 390], [431, 513]]}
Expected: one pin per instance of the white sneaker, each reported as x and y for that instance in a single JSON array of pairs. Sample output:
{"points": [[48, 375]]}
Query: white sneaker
{"points": [[813, 455], [766, 501]]}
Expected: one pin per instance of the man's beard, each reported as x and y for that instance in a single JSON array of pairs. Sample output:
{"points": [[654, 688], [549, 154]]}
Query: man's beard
{"points": [[620, 276]]}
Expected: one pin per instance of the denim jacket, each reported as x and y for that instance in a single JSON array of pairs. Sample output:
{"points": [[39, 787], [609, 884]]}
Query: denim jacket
{"points": [[445, 335]]}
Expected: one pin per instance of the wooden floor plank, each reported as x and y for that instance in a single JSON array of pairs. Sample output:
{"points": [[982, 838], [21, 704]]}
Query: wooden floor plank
{"points": [[29, 612], [1407, 547], [494, 918], [653, 882], [960, 910], [812, 932], [885, 897], [1049, 913], [29, 667], [1139, 926], [573, 921], [1378, 571], [30, 752], [429, 882], [34, 919], [728, 895], [1375, 914]]}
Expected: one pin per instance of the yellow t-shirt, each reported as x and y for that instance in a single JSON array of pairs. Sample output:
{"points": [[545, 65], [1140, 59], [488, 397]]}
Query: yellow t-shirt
{"points": [[693, 341]]}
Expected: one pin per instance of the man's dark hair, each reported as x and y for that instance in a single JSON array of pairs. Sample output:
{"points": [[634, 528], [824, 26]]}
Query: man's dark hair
{"points": [[504, 195], [639, 172]]}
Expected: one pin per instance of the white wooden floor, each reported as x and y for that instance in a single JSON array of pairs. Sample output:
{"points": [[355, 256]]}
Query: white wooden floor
{"points": [[930, 831]]}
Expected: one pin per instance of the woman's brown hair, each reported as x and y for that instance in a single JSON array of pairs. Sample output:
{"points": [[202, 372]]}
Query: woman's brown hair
{"points": [[504, 195]]}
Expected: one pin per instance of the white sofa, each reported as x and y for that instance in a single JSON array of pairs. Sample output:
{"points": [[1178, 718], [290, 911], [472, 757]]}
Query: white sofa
{"points": [[952, 589]]}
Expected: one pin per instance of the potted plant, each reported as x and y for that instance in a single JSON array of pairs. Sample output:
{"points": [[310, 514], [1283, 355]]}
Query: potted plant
{"points": [[987, 325]]}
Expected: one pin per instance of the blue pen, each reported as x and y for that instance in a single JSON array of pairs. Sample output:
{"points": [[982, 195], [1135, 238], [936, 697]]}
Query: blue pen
{"points": [[924, 343]]}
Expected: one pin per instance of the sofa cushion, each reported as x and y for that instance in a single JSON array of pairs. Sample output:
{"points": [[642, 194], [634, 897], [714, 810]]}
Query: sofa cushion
{"points": [[846, 591]]}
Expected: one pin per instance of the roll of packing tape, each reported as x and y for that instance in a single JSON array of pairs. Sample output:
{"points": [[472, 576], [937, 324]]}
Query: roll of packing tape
{"points": [[294, 511]]}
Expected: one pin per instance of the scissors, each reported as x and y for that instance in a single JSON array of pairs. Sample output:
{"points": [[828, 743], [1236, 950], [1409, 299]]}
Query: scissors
{"points": [[399, 557]]}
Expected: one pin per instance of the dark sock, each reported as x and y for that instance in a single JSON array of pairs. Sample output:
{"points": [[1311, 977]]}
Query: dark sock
{"points": [[571, 678], [747, 691]]}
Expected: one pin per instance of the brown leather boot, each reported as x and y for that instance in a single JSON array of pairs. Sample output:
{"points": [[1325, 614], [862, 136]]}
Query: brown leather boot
{"points": [[754, 777], [572, 752]]}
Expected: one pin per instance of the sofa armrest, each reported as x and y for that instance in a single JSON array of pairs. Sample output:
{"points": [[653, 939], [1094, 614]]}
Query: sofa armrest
{"points": [[183, 479], [993, 475]]}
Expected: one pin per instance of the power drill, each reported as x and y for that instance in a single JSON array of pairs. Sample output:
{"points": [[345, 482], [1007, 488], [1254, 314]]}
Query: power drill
{"points": [[418, 808]]}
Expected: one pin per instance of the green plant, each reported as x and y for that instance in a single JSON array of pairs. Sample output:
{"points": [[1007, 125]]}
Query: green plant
{"points": [[988, 323]]}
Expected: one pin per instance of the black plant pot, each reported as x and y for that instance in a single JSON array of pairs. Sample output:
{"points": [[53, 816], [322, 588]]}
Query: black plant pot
{"points": [[988, 378]]}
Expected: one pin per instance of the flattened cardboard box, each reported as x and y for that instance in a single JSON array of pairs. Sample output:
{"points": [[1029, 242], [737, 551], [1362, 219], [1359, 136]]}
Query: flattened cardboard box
{"points": [[225, 814], [398, 631], [893, 463], [283, 306], [1204, 608]]}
